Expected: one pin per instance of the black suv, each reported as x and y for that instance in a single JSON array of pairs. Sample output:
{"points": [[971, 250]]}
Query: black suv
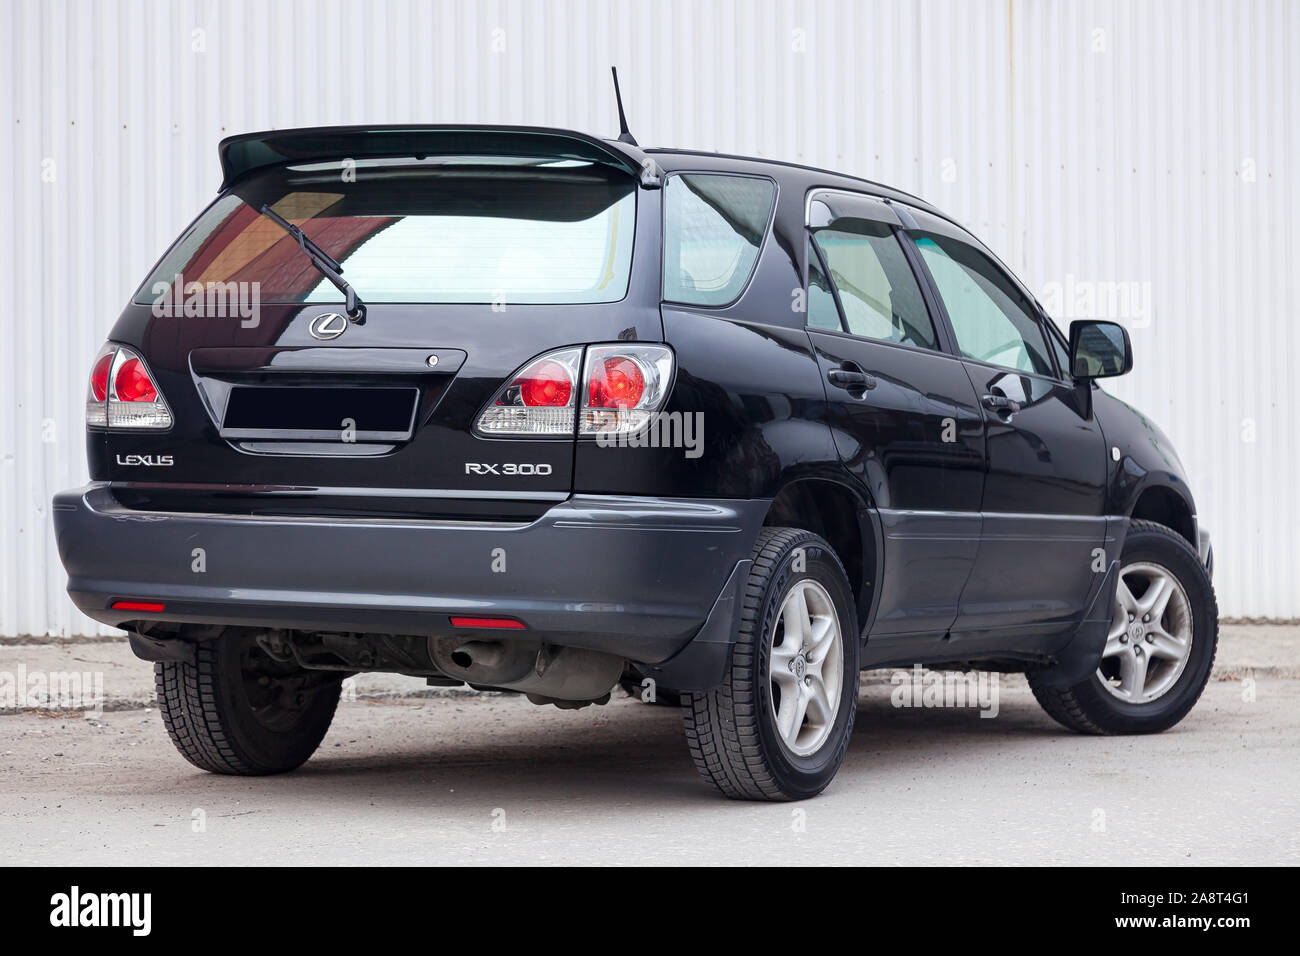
{"points": [[582, 414]]}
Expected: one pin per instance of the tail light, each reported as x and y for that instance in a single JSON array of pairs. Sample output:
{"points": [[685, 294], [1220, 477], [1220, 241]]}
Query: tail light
{"points": [[539, 399], [624, 386], [123, 393]]}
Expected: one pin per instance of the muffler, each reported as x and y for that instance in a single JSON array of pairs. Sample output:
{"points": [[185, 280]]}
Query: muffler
{"points": [[538, 670]]}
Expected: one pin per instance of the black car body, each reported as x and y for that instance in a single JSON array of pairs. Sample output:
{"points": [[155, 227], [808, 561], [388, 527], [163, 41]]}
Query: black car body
{"points": [[978, 501]]}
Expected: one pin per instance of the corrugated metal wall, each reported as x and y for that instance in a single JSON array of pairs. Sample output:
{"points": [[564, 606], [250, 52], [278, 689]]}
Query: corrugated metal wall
{"points": [[1093, 145]]}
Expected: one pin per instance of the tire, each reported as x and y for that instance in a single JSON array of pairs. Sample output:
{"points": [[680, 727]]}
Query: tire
{"points": [[237, 711], [732, 730], [1096, 705]]}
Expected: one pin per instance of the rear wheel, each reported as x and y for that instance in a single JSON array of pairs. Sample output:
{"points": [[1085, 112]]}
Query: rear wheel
{"points": [[779, 724], [1160, 648], [236, 710]]}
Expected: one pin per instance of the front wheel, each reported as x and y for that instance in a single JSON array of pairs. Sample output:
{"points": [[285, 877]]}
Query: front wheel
{"points": [[1160, 647], [778, 725]]}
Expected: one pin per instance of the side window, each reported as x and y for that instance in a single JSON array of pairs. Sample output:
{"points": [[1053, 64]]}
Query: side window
{"points": [[714, 226], [877, 288], [989, 316], [822, 313]]}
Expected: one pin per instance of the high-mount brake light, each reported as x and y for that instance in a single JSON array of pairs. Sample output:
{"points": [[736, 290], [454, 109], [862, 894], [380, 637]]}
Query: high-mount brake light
{"points": [[539, 400], [123, 393]]}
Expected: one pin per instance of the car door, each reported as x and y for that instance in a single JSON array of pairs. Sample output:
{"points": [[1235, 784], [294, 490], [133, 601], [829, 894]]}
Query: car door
{"points": [[904, 414], [1043, 498]]}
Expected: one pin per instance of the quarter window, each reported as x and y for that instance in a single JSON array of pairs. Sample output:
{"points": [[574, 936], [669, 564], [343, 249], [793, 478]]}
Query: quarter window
{"points": [[713, 230]]}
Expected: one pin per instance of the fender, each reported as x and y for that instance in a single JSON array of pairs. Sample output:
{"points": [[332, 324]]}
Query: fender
{"points": [[1146, 457]]}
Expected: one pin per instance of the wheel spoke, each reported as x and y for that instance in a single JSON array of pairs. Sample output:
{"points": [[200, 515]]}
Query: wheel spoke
{"points": [[1156, 599], [1124, 597], [1166, 646], [819, 703], [783, 677], [1133, 675], [794, 617], [1118, 628], [783, 654], [823, 634], [794, 707]]}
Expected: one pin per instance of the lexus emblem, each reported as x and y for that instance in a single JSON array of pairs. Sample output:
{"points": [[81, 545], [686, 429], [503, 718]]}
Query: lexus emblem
{"points": [[328, 325]]}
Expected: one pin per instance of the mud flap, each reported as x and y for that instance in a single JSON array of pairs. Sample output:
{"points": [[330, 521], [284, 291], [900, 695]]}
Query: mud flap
{"points": [[701, 664], [1082, 655]]}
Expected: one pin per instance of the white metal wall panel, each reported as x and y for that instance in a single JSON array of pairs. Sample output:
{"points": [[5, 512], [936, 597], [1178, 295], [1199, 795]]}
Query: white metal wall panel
{"points": [[1092, 143]]}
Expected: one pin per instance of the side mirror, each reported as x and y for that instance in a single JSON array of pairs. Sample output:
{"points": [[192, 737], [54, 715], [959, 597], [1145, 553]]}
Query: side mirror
{"points": [[1099, 349]]}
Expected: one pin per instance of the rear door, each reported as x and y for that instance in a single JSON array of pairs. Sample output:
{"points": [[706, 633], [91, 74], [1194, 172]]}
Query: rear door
{"points": [[1043, 497], [469, 270], [904, 414]]}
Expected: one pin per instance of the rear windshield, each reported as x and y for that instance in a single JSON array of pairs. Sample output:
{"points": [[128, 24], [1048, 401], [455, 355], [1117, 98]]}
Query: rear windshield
{"points": [[425, 231]]}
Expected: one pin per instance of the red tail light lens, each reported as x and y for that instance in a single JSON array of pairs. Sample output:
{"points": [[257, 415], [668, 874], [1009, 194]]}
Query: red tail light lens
{"points": [[544, 384], [152, 607], [133, 384], [540, 399], [625, 386], [615, 382], [99, 377], [123, 393]]}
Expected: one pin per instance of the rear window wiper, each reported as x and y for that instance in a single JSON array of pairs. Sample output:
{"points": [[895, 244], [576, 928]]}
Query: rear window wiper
{"points": [[324, 263]]}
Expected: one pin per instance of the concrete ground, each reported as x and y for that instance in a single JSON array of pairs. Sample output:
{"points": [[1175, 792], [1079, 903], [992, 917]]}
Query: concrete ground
{"points": [[494, 779]]}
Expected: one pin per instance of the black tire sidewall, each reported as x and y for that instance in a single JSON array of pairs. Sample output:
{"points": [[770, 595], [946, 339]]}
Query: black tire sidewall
{"points": [[801, 776]]}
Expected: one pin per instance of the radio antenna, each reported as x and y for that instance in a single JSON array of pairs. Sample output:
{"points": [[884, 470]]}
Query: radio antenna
{"points": [[624, 134]]}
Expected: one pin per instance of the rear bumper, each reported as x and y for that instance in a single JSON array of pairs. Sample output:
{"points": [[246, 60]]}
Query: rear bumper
{"points": [[636, 577]]}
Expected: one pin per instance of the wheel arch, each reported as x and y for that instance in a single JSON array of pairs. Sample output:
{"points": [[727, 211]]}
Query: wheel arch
{"points": [[1164, 505], [842, 516]]}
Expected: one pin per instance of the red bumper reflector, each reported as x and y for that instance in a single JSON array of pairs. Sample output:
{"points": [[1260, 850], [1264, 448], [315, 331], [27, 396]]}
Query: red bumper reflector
{"points": [[507, 623], [151, 606]]}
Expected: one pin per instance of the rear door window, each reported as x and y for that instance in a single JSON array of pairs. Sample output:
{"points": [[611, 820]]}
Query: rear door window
{"points": [[877, 288], [822, 311], [714, 226]]}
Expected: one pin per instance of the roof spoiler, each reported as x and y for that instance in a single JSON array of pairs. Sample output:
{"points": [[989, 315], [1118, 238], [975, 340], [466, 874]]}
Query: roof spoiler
{"points": [[250, 152]]}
